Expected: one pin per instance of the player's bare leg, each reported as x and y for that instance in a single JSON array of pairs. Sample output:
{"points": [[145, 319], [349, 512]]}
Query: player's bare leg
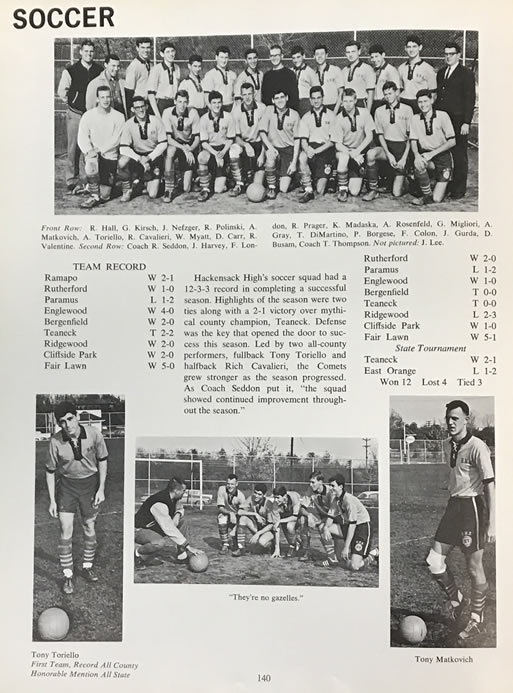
{"points": [[147, 544], [399, 185], [478, 595], [152, 186], [66, 550], [439, 191], [355, 186]]}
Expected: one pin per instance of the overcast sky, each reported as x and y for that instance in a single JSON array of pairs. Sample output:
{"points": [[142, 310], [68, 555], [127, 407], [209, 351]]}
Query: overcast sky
{"points": [[422, 409]]}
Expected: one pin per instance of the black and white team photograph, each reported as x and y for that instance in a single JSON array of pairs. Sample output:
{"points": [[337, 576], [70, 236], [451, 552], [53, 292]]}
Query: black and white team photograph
{"points": [[78, 540], [256, 510], [442, 521], [347, 121]]}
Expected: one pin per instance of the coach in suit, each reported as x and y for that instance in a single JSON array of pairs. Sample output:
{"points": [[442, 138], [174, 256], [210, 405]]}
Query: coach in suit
{"points": [[456, 94]]}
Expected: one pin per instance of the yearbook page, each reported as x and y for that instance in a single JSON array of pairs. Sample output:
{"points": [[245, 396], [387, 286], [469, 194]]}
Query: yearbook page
{"points": [[256, 294]]}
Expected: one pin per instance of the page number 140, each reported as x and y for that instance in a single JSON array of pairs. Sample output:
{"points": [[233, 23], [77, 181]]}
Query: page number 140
{"points": [[264, 678]]}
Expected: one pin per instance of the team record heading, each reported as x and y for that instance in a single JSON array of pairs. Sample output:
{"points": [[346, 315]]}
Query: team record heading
{"points": [[56, 17]]}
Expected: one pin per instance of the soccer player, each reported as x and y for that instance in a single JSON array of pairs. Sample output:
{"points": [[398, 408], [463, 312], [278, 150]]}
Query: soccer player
{"points": [[279, 79], [192, 85], [78, 456], [358, 76], [229, 501], [317, 155], [99, 135], [469, 519], [305, 76], [328, 76], [182, 125], [313, 512], [279, 130], [456, 95], [137, 73], [247, 155], [162, 517], [163, 80], [286, 518], [72, 90], [253, 517], [352, 132], [432, 136], [415, 73], [393, 123], [384, 72], [251, 74], [220, 79], [108, 78], [348, 521], [217, 134], [141, 148]]}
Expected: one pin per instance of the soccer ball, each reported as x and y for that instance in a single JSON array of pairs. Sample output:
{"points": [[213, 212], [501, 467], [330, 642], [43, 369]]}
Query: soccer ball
{"points": [[413, 629], [198, 563], [53, 624], [255, 192]]}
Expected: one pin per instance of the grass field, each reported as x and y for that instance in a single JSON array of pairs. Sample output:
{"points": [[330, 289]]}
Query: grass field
{"points": [[95, 611], [284, 204], [418, 498], [251, 569]]}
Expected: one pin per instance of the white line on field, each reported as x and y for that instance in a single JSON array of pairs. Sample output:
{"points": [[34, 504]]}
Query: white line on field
{"points": [[51, 522], [410, 541]]}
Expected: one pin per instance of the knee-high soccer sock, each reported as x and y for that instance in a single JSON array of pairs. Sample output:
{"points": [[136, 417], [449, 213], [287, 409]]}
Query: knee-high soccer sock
{"points": [[236, 170], [372, 175], [204, 177], [93, 183], [270, 175], [343, 180], [66, 556], [223, 534], [449, 586], [306, 179], [478, 601], [329, 546], [89, 551], [241, 537], [250, 168], [422, 178], [124, 179], [169, 178]]}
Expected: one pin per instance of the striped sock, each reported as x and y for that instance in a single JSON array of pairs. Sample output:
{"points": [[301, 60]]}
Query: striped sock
{"points": [[223, 534], [66, 556], [89, 551], [270, 175], [236, 170], [343, 180], [478, 601], [329, 545], [448, 584], [204, 176], [169, 178], [372, 175], [424, 183], [241, 537]]}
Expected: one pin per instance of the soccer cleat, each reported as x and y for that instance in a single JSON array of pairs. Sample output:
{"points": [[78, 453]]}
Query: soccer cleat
{"points": [[370, 196], [455, 612], [326, 563], [89, 575], [307, 196], [291, 552], [236, 190], [67, 585], [374, 556], [204, 195], [225, 549], [271, 194], [471, 630], [238, 552], [126, 196], [182, 561], [342, 196], [90, 202], [168, 197], [306, 557], [421, 201]]}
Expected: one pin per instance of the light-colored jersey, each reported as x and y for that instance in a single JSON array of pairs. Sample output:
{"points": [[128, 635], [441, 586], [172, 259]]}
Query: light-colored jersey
{"points": [[217, 131], [306, 79], [386, 73], [252, 78], [359, 76], [352, 510], [142, 138], [431, 132], [181, 127], [351, 130], [102, 131], [164, 80], [472, 467], [282, 129], [394, 123], [263, 508], [247, 121], [315, 126], [76, 458], [136, 77], [416, 76], [222, 81], [193, 87], [230, 501], [330, 79]]}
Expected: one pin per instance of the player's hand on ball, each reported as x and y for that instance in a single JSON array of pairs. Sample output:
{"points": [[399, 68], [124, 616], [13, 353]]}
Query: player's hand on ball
{"points": [[53, 509], [99, 498]]}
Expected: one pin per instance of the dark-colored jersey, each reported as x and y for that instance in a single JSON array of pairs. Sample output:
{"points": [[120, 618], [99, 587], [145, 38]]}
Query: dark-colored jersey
{"points": [[144, 518]]}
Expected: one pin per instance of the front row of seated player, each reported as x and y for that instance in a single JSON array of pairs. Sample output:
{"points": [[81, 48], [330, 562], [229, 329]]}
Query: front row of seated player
{"points": [[272, 144], [328, 511]]}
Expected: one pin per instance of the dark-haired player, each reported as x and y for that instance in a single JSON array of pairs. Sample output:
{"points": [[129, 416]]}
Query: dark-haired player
{"points": [[317, 155], [432, 136], [217, 134], [393, 123], [229, 501], [182, 125], [108, 78], [358, 76], [313, 512], [250, 74], [164, 80], [141, 151], [78, 457], [247, 154], [285, 514], [415, 73], [220, 79], [137, 73], [469, 519], [253, 517], [384, 72], [328, 76], [192, 85], [305, 76], [160, 518]]}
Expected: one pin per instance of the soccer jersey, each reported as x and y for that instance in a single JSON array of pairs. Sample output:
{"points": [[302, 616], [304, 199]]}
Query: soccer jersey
{"points": [[351, 129], [193, 87], [144, 518], [330, 79], [217, 131], [416, 76], [431, 130], [469, 465], [318, 500], [76, 458], [261, 508], [222, 81], [254, 78], [360, 77], [306, 79], [101, 130], [315, 125], [394, 122], [230, 501], [281, 128], [182, 128], [136, 77], [142, 138], [385, 73], [350, 509], [163, 80], [292, 505], [247, 121]]}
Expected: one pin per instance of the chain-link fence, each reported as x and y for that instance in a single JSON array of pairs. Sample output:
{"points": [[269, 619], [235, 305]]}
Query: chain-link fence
{"points": [[112, 423], [419, 452]]}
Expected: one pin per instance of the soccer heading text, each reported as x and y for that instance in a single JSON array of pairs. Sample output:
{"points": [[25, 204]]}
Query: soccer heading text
{"points": [[56, 17]]}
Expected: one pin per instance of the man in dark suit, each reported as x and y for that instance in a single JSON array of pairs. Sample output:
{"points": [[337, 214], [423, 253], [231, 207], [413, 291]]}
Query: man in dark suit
{"points": [[456, 94]]}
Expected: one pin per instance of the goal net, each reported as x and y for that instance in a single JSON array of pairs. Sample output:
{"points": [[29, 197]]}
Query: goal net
{"points": [[153, 473]]}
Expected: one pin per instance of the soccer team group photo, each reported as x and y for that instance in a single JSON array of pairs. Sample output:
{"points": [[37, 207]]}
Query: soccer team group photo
{"points": [[339, 121]]}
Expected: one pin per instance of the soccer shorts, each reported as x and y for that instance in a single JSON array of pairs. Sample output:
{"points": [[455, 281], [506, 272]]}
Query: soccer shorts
{"points": [[285, 156], [397, 149], [321, 165], [181, 162], [221, 171], [354, 169], [463, 523], [362, 537], [443, 167], [107, 170], [77, 494], [257, 146], [155, 172]]}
